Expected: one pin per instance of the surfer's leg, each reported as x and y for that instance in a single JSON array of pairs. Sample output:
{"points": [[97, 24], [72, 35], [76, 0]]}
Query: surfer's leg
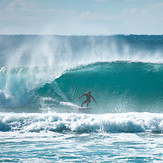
{"points": [[83, 103], [88, 103]]}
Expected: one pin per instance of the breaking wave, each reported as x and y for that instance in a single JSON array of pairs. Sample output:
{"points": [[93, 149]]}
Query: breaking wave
{"points": [[117, 86], [81, 123]]}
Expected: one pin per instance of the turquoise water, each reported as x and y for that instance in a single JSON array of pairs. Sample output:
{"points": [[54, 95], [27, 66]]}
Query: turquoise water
{"points": [[41, 78], [53, 137], [58, 147]]}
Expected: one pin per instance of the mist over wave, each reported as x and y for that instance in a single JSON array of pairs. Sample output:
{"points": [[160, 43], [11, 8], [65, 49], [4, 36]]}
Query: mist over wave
{"points": [[31, 50]]}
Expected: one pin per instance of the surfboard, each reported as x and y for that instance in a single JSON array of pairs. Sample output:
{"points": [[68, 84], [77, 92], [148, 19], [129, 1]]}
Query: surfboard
{"points": [[84, 108]]}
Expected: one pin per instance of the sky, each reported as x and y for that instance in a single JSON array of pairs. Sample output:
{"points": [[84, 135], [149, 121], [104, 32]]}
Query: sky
{"points": [[81, 17]]}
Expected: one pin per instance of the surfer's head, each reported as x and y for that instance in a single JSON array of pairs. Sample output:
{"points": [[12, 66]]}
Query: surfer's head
{"points": [[89, 92]]}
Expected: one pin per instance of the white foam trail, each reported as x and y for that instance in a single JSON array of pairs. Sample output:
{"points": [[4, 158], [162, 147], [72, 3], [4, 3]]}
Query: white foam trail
{"points": [[69, 104]]}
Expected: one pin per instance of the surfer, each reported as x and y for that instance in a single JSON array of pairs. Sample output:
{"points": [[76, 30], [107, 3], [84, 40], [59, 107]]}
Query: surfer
{"points": [[88, 98]]}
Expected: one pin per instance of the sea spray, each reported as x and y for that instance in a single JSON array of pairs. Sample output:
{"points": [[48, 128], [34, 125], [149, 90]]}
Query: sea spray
{"points": [[24, 50]]}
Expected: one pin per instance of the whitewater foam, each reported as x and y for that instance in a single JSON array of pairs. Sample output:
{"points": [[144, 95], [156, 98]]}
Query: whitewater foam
{"points": [[82, 123]]}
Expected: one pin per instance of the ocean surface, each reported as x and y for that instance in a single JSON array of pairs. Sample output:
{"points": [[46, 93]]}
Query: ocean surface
{"points": [[41, 78]]}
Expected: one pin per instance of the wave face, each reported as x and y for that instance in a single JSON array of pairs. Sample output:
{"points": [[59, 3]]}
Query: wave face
{"points": [[124, 73], [117, 86]]}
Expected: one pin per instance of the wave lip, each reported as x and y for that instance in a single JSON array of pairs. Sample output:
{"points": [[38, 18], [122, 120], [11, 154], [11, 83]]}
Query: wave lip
{"points": [[82, 123]]}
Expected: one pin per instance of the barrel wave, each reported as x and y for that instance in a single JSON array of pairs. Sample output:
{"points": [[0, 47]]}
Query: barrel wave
{"points": [[124, 73], [117, 87]]}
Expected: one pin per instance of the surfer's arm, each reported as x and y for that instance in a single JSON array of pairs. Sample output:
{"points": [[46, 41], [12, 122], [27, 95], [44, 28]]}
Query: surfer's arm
{"points": [[94, 99], [81, 96]]}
